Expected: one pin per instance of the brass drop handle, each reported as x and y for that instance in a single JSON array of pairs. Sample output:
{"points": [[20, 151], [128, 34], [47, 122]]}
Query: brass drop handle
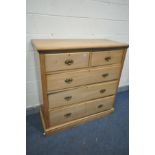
{"points": [[68, 98], [70, 80], [102, 91], [105, 75], [100, 106], [68, 115], [108, 58], [69, 62]]}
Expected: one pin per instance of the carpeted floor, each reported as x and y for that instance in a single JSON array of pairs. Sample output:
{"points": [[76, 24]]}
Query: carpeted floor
{"points": [[107, 136]]}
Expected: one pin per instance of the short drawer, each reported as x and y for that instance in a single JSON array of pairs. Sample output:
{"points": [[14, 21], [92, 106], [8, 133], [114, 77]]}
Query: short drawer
{"points": [[99, 105], [83, 93], [64, 115], [106, 57], [64, 61], [77, 78]]}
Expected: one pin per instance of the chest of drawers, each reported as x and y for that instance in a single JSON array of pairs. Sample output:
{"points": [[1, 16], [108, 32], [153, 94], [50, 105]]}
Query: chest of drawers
{"points": [[79, 79]]}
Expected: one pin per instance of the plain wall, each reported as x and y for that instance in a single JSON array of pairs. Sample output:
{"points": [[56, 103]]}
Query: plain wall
{"points": [[56, 19]]}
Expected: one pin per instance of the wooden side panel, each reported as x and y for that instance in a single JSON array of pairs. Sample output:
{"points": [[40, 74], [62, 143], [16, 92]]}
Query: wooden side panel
{"points": [[45, 105], [38, 73], [122, 64]]}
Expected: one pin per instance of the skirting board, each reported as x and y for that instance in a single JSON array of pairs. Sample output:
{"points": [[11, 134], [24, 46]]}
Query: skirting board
{"points": [[36, 109]]}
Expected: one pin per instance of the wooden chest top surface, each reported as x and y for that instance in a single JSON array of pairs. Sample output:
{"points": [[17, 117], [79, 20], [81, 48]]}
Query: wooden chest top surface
{"points": [[65, 44]]}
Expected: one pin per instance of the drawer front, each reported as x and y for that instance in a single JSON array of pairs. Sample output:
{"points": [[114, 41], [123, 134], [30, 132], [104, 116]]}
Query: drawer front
{"points": [[99, 105], [106, 57], [64, 61], [63, 115], [77, 78], [82, 94]]}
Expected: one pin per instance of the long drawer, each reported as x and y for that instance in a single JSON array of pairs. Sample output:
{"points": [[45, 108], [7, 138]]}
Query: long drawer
{"points": [[82, 77], [65, 61], [107, 57], [83, 93], [67, 114]]}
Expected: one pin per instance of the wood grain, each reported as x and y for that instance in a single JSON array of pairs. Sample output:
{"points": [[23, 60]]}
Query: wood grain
{"points": [[106, 57], [83, 88], [82, 77], [80, 94], [77, 122], [59, 116], [99, 105], [64, 44], [122, 64], [45, 105], [55, 62], [67, 114]]}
